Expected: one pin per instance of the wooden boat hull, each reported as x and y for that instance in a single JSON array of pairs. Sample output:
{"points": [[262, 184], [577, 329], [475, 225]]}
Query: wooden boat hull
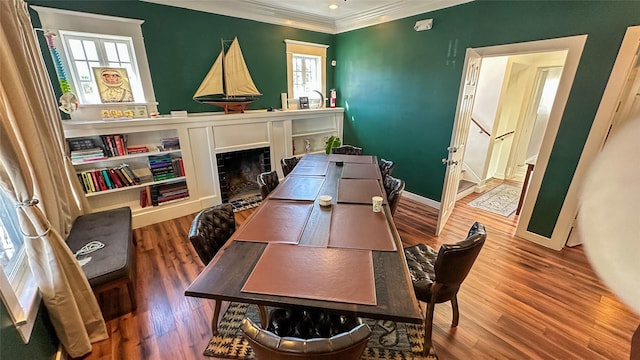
{"points": [[230, 107]]}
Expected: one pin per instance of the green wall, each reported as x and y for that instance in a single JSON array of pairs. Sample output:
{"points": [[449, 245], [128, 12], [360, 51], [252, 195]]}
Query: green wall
{"points": [[182, 45], [400, 87], [42, 345]]}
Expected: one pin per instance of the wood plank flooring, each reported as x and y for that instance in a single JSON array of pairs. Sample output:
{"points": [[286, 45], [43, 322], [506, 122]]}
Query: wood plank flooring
{"points": [[520, 301]]}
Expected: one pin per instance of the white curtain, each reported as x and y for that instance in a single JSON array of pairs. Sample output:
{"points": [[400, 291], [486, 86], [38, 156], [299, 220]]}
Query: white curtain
{"points": [[36, 173]]}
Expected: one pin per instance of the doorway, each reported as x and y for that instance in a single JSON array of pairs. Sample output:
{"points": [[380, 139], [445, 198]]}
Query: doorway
{"points": [[573, 47], [510, 114]]}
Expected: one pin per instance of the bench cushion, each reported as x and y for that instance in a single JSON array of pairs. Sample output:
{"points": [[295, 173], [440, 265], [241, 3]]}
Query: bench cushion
{"points": [[113, 229]]}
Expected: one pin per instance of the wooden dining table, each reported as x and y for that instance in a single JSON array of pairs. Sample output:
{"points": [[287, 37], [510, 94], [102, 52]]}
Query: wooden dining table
{"points": [[292, 252]]}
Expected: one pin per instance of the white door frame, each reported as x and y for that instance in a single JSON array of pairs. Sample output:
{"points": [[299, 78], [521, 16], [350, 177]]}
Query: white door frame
{"points": [[574, 46], [609, 103]]}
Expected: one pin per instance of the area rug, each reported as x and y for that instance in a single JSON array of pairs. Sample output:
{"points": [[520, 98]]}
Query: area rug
{"points": [[389, 340], [501, 200], [246, 203]]}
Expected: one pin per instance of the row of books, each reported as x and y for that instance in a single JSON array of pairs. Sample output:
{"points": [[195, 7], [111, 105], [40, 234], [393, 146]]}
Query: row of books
{"points": [[89, 154], [85, 149], [108, 178], [161, 167], [156, 195], [172, 143]]}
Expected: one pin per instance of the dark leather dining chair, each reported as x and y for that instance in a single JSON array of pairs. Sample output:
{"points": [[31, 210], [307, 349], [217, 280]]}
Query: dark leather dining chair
{"points": [[310, 335], [386, 167], [267, 182], [347, 150], [437, 276], [393, 187], [288, 164], [210, 229]]}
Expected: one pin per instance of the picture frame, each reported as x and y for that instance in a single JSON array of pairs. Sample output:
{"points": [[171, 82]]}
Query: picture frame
{"points": [[304, 102], [113, 85]]}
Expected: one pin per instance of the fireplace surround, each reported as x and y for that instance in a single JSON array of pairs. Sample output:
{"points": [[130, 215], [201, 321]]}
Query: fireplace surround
{"points": [[238, 172]]}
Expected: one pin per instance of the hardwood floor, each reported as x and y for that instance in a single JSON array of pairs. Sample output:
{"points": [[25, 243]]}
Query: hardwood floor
{"points": [[520, 301]]}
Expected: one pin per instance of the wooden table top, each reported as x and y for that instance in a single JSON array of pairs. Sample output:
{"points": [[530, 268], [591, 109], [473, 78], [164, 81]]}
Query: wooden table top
{"points": [[225, 276]]}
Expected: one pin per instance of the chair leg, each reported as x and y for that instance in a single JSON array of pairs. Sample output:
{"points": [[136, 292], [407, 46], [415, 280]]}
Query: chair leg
{"points": [[263, 316], [456, 313], [428, 328], [214, 319]]}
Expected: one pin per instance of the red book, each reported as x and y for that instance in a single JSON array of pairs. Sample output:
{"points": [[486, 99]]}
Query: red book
{"points": [[120, 145], [181, 167], [115, 179], [96, 184], [101, 182]]}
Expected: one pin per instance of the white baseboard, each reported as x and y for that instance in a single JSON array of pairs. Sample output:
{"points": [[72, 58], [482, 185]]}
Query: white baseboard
{"points": [[421, 199]]}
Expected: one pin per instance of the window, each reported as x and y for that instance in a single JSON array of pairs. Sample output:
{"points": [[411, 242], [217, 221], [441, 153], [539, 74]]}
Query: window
{"points": [[11, 242], [17, 286], [80, 42], [85, 51], [306, 75]]}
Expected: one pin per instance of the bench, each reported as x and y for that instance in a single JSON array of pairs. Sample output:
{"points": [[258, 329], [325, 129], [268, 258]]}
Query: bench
{"points": [[112, 266]]}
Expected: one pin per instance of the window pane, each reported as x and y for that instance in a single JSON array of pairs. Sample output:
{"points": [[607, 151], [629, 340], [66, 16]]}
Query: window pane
{"points": [[90, 50], [83, 71], [123, 52], [10, 237], [112, 53], [114, 64], [76, 49]]}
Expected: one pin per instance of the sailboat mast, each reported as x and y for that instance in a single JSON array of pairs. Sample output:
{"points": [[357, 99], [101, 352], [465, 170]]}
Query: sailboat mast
{"points": [[224, 78]]}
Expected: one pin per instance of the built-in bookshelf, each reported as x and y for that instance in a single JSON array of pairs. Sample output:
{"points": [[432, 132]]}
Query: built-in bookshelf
{"points": [[192, 143], [114, 169]]}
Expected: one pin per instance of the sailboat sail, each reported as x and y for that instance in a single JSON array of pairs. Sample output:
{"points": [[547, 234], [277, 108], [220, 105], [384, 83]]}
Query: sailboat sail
{"points": [[231, 69]]}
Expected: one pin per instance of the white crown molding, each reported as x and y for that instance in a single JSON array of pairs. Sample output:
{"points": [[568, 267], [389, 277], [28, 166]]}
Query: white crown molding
{"points": [[280, 15], [392, 11]]}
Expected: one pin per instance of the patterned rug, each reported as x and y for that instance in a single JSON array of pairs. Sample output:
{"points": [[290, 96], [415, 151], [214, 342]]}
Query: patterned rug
{"points": [[246, 203], [501, 200], [389, 340]]}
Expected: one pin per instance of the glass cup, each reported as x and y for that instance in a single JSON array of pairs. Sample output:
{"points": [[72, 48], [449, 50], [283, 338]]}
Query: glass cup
{"points": [[377, 203]]}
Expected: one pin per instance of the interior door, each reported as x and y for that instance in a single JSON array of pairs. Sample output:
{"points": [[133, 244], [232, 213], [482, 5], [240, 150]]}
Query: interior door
{"points": [[460, 133]]}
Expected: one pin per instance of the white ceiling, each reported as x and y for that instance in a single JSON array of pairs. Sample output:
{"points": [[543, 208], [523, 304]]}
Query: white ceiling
{"points": [[315, 15]]}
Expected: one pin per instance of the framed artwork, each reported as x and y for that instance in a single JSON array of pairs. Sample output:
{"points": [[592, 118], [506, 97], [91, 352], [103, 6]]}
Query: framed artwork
{"points": [[113, 84], [304, 102]]}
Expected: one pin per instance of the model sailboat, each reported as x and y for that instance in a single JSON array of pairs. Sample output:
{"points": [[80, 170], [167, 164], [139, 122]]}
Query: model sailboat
{"points": [[228, 83]]}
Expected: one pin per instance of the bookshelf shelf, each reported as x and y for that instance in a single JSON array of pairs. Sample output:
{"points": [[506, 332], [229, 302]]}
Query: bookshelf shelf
{"points": [[126, 157], [314, 133], [133, 187]]}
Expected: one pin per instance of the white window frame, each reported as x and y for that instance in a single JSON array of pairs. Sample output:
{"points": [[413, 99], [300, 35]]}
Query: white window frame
{"points": [[305, 49], [20, 295], [56, 20], [99, 39]]}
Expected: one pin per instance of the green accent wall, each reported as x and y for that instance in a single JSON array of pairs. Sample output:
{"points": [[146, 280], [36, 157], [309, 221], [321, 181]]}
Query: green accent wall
{"points": [[42, 345], [182, 45], [400, 87]]}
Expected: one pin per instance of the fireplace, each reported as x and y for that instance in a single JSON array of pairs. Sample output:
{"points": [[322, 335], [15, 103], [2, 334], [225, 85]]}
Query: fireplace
{"points": [[238, 172]]}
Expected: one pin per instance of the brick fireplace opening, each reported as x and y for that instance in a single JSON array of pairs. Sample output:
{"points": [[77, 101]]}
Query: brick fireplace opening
{"points": [[238, 172]]}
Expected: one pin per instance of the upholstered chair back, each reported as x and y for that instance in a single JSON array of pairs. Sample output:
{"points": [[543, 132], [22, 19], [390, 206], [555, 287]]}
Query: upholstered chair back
{"points": [[210, 229], [347, 150], [267, 182], [386, 167], [394, 188], [288, 164]]}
